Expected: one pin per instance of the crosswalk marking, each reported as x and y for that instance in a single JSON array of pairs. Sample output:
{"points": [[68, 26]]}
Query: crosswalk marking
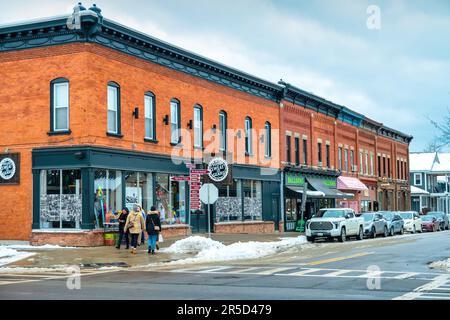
{"points": [[406, 275], [430, 290], [338, 273], [302, 273], [273, 271]]}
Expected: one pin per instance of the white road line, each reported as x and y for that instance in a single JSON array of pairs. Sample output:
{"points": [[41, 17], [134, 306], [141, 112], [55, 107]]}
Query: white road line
{"points": [[273, 271], [372, 274], [299, 273], [338, 273], [406, 275], [245, 270], [214, 270]]}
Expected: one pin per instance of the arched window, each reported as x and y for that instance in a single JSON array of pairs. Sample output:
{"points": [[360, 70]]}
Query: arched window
{"points": [[268, 139], [248, 136], [223, 123], [175, 120], [150, 116], [114, 126], [198, 126], [59, 106]]}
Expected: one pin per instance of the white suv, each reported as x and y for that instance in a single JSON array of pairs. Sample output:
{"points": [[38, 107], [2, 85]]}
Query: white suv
{"points": [[335, 223]]}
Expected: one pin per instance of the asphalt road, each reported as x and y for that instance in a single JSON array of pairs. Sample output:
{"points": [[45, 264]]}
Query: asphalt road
{"points": [[384, 268]]}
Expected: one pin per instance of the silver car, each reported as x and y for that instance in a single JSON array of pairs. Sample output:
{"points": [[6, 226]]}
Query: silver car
{"points": [[375, 224]]}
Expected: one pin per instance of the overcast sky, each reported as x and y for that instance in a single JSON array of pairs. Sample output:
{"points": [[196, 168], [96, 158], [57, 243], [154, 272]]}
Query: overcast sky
{"points": [[398, 74]]}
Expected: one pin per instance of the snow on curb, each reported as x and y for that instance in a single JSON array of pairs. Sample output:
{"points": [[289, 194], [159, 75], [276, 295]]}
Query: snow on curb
{"points": [[8, 255], [444, 265], [208, 250]]}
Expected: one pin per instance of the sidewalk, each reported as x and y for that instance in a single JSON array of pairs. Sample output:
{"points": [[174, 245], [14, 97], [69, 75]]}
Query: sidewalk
{"points": [[107, 257]]}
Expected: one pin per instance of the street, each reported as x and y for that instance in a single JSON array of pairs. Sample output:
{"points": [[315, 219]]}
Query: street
{"points": [[382, 268]]}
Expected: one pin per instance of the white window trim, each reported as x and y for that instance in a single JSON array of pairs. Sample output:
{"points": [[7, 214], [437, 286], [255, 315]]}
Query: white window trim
{"points": [[149, 103], [198, 127], [116, 100], [415, 179], [55, 85]]}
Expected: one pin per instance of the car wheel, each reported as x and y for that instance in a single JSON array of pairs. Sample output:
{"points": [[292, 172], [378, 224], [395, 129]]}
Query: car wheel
{"points": [[392, 233], [343, 236], [414, 229], [385, 234], [361, 233], [402, 230], [310, 239], [373, 233]]}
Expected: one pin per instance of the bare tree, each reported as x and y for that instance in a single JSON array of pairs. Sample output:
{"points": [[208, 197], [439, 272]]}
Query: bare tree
{"points": [[444, 133]]}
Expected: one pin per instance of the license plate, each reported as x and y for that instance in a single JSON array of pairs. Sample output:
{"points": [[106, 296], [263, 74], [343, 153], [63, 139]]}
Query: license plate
{"points": [[320, 234]]}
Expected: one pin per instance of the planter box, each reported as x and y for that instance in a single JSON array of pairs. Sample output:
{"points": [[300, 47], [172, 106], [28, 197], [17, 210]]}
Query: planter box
{"points": [[245, 227]]}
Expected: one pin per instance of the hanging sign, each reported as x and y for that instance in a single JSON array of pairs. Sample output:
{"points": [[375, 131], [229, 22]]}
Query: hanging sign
{"points": [[218, 169], [10, 168]]}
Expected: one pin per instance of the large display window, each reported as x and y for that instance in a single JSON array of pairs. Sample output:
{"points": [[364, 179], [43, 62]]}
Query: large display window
{"points": [[252, 199], [108, 193], [229, 204], [60, 199], [170, 199]]}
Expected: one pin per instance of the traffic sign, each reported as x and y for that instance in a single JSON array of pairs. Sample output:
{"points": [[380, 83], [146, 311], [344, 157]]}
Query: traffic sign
{"points": [[209, 193]]}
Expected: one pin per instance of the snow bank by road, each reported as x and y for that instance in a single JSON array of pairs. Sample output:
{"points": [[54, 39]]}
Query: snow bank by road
{"points": [[444, 264], [208, 250], [8, 255]]}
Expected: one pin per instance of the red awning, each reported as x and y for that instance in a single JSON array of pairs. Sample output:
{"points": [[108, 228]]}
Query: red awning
{"points": [[349, 183]]}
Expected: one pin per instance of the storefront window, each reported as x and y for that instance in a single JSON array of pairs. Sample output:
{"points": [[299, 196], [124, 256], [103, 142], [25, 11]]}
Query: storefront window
{"points": [[108, 193], [170, 199], [61, 199], [229, 204], [139, 190], [291, 207], [252, 199]]}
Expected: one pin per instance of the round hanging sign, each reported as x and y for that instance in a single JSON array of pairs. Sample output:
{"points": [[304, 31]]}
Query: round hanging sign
{"points": [[218, 169], [7, 169]]}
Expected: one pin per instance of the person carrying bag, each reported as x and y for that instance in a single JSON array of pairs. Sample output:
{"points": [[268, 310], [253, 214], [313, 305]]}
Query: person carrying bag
{"points": [[153, 227], [135, 225]]}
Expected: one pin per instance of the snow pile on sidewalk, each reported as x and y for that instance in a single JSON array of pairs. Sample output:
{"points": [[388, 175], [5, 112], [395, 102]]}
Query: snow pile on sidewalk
{"points": [[210, 250], [444, 264], [8, 255]]}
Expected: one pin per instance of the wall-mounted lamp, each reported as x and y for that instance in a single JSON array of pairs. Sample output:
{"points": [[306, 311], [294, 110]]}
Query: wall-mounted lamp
{"points": [[214, 128], [189, 124], [166, 119], [136, 113], [238, 134], [79, 155]]}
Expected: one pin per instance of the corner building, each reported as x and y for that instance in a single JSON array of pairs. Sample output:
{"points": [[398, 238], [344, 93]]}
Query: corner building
{"points": [[91, 116]]}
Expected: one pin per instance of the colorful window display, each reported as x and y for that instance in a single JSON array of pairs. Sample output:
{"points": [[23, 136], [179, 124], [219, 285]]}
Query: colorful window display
{"points": [[170, 199], [60, 199], [108, 194], [229, 204]]}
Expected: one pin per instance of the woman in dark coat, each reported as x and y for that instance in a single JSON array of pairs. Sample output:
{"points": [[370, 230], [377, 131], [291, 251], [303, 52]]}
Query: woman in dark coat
{"points": [[153, 227], [122, 232]]}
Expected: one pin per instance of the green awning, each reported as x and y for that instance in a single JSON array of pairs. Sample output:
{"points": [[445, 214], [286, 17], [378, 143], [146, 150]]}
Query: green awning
{"points": [[321, 185]]}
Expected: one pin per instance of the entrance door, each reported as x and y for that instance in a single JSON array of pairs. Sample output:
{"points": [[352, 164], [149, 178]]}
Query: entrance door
{"points": [[199, 220]]}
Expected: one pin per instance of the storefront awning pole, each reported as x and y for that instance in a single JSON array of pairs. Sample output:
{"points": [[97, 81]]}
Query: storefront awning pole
{"points": [[305, 189]]}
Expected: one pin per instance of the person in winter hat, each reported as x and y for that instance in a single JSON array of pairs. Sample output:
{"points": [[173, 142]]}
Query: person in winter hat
{"points": [[122, 232], [135, 225]]}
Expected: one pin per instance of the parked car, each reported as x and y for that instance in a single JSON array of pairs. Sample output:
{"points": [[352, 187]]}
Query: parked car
{"points": [[413, 222], [441, 217], [375, 224], [430, 223], [394, 221], [334, 223]]}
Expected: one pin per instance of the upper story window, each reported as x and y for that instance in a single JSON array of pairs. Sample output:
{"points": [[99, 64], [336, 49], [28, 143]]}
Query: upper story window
{"points": [[223, 123], [361, 166], [248, 136], [305, 151], [319, 153], [327, 147], [366, 163], [371, 164], [59, 111], [268, 139], [174, 121], [340, 158], [417, 179], [288, 148], [346, 159], [113, 108], [150, 112], [297, 150], [198, 126]]}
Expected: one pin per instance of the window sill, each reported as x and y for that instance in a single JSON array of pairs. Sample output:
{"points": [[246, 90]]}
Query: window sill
{"points": [[174, 144], [114, 135], [59, 133], [151, 140]]}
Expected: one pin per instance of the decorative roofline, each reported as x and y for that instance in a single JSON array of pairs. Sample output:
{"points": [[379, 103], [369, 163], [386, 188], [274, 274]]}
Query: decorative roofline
{"points": [[96, 29]]}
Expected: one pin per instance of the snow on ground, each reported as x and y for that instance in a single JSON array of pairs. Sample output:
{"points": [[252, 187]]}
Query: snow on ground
{"points": [[444, 264], [208, 250], [29, 247], [22, 270], [8, 255]]}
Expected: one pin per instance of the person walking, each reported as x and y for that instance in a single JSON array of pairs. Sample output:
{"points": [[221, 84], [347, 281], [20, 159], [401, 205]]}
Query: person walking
{"points": [[153, 227], [135, 225], [141, 239], [122, 232]]}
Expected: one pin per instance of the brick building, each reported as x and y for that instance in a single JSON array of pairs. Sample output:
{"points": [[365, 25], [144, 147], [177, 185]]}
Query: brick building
{"points": [[95, 117]]}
